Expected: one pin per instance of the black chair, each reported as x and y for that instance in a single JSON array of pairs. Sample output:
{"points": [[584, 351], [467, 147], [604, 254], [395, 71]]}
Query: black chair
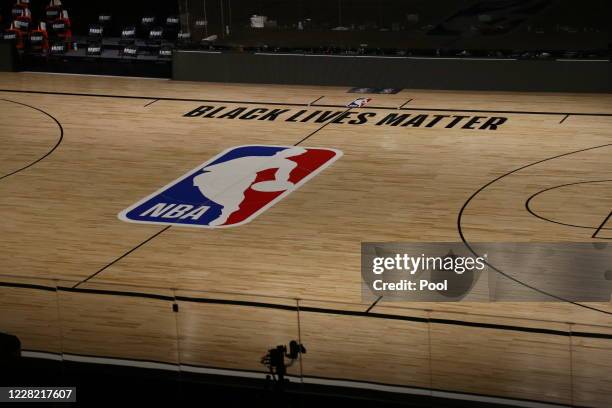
{"points": [[95, 32], [58, 48], [22, 24], [184, 39], [19, 10], [172, 26], [39, 38], [129, 51], [200, 29], [23, 20], [106, 21], [155, 37], [165, 52], [128, 36], [94, 49], [53, 12], [146, 23]]}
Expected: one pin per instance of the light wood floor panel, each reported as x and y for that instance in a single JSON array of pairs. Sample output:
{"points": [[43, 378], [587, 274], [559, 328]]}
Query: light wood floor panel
{"points": [[362, 349], [33, 316], [496, 362], [591, 368], [118, 326], [232, 337]]}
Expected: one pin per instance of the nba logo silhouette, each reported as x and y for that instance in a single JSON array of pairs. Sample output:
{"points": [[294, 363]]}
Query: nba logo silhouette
{"points": [[359, 103], [232, 188]]}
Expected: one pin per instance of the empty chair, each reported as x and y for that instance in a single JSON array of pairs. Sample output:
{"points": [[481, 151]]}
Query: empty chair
{"points": [[58, 48], [172, 25], [95, 32], [39, 38], [165, 52], [94, 39], [184, 39], [53, 11], [20, 8], [200, 28], [61, 29], [14, 34], [94, 49], [128, 35], [146, 23], [129, 50], [22, 22], [155, 36], [106, 21]]}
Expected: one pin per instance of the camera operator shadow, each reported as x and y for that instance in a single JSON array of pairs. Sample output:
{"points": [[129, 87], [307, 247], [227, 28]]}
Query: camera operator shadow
{"points": [[275, 361]]}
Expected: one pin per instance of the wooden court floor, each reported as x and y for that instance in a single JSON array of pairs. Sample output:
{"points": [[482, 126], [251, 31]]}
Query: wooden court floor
{"points": [[76, 150]]}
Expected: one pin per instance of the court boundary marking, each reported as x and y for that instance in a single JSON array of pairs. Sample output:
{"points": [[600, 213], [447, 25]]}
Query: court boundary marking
{"points": [[281, 103], [49, 152], [506, 275], [306, 379], [601, 227]]}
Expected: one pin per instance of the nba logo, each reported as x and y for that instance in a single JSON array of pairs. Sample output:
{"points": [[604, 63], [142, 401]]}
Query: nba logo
{"points": [[232, 188], [359, 103]]}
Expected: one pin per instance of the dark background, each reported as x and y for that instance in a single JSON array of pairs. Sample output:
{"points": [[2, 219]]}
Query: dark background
{"points": [[516, 24], [84, 12]]}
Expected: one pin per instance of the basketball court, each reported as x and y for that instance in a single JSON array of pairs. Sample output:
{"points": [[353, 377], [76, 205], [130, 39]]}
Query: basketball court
{"points": [[465, 167]]}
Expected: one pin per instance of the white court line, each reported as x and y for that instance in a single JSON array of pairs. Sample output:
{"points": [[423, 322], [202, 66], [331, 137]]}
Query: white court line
{"points": [[307, 380]]}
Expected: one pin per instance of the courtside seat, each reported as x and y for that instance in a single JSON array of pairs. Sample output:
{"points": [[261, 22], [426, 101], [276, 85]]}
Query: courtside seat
{"points": [[184, 39], [39, 38], [106, 21], [61, 29], [165, 52], [15, 35], [128, 35], [172, 26], [200, 28], [95, 36], [53, 11], [20, 8], [23, 21], [94, 49], [130, 51], [155, 36], [95, 32], [58, 48], [146, 24]]}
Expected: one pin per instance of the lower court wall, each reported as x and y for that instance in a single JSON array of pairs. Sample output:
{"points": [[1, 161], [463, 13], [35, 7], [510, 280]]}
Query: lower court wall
{"points": [[515, 361], [6, 56], [395, 72]]}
